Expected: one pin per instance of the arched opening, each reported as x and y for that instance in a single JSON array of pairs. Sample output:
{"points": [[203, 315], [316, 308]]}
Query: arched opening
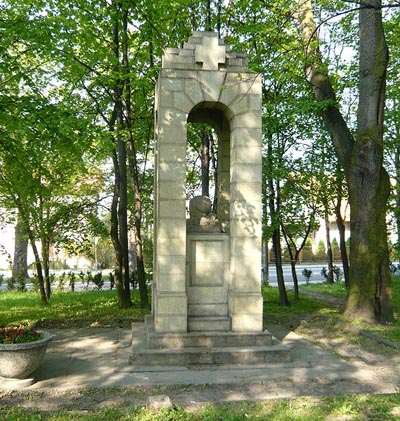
{"points": [[208, 243], [209, 144]]}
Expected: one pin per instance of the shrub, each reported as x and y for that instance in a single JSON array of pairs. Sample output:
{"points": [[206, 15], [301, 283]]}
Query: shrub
{"points": [[10, 283], [320, 252], [324, 273], [62, 279], [21, 283], [335, 250], [71, 276], [112, 280], [307, 273], [337, 272], [98, 280]]}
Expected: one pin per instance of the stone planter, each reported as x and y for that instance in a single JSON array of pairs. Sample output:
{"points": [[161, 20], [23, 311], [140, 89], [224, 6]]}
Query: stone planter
{"points": [[19, 361]]}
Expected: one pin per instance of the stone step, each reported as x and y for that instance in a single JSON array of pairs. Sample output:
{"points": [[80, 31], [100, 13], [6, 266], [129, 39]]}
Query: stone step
{"points": [[210, 356], [209, 324], [214, 309], [207, 339]]}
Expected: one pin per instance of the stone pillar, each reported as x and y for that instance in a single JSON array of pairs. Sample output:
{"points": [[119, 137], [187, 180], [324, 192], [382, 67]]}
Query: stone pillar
{"points": [[206, 82], [169, 292], [246, 304]]}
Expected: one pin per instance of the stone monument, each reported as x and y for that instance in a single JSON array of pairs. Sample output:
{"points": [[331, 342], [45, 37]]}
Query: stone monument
{"points": [[207, 270]]}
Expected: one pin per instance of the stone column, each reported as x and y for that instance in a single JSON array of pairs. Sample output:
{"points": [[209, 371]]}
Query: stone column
{"points": [[170, 302], [245, 301]]}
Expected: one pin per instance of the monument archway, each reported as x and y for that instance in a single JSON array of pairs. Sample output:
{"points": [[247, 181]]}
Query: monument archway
{"points": [[207, 306], [208, 279]]}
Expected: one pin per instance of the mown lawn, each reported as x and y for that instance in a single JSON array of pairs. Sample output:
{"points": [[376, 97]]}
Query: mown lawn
{"points": [[360, 407], [388, 331], [85, 305], [102, 306]]}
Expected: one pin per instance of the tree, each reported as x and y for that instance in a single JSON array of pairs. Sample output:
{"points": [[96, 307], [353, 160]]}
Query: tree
{"points": [[44, 176], [320, 252], [361, 157], [20, 259], [298, 216]]}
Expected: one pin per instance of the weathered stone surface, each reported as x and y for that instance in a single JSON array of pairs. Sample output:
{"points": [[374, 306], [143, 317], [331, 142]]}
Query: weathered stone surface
{"points": [[19, 361], [159, 402], [207, 270]]}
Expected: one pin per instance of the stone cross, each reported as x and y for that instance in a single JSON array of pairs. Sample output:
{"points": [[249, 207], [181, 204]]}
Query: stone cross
{"points": [[210, 53]]}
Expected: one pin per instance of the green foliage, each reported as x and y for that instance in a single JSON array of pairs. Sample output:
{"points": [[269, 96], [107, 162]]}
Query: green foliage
{"points": [[335, 250], [320, 252], [307, 254]]}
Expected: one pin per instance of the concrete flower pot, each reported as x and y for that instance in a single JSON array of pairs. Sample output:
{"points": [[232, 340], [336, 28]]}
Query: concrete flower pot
{"points": [[19, 361]]}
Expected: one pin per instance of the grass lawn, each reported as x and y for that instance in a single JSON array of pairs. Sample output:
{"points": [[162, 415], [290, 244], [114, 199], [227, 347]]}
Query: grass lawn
{"points": [[391, 332], [360, 407], [304, 317], [67, 306]]}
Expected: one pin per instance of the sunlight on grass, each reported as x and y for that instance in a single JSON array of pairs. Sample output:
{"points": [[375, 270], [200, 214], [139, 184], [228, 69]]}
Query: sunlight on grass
{"points": [[26, 306], [313, 306], [304, 305], [358, 407], [337, 289]]}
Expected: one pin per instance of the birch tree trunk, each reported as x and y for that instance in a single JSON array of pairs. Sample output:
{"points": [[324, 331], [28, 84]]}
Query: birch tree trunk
{"points": [[362, 159]]}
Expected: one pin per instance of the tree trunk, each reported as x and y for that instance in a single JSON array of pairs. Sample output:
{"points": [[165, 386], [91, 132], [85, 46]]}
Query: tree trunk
{"points": [[397, 196], [124, 300], [45, 266], [369, 186], [293, 263], [328, 245], [342, 242], [141, 273], [276, 243], [362, 158], [39, 270], [276, 234], [20, 260], [134, 172], [207, 25], [265, 263], [123, 218], [214, 166], [119, 206], [205, 163]]}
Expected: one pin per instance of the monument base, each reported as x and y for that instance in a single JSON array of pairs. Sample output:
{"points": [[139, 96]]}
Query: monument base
{"points": [[151, 349]]}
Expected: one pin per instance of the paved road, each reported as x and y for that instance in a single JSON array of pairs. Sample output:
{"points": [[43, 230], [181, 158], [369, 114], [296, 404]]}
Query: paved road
{"points": [[287, 273]]}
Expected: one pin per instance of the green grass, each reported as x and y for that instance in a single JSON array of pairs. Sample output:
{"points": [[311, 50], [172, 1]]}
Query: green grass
{"points": [[102, 305], [93, 305], [391, 332], [336, 289], [372, 407]]}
